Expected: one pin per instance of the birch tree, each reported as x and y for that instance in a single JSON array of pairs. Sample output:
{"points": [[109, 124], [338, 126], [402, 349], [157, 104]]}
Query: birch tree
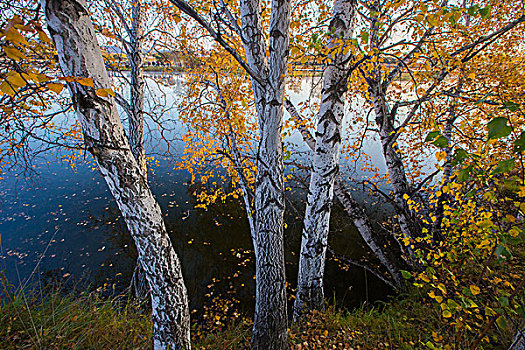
{"points": [[79, 56], [267, 75], [428, 62], [310, 294]]}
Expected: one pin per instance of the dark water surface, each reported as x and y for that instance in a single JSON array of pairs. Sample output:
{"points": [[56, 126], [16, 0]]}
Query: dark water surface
{"points": [[63, 226]]}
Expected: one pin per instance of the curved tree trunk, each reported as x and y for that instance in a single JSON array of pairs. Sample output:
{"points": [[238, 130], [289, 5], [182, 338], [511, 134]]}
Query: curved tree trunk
{"points": [[310, 294], [79, 56]]}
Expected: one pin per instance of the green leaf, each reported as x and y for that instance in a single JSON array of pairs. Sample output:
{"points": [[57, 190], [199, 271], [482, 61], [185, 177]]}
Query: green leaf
{"points": [[511, 106], [502, 253], [472, 10], [459, 156], [498, 128], [464, 174], [432, 135], [452, 304], [441, 142], [406, 275], [365, 36], [485, 12], [430, 345], [504, 166], [501, 322], [504, 301], [519, 144]]}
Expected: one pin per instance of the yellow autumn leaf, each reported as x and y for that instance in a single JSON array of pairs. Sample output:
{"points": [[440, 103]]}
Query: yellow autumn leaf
{"points": [[7, 89], [43, 37], [86, 82], [105, 92], [16, 80], [55, 87], [424, 277], [474, 289], [13, 53], [14, 36]]}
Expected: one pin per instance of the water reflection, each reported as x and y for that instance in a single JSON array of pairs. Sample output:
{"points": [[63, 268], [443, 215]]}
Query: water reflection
{"points": [[66, 223]]}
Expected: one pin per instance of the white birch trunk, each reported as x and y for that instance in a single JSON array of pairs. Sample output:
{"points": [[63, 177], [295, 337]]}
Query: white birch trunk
{"points": [[270, 320], [310, 294], [355, 212], [136, 117], [79, 56]]}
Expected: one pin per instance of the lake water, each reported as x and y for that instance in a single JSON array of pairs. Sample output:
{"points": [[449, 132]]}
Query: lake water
{"points": [[63, 226]]}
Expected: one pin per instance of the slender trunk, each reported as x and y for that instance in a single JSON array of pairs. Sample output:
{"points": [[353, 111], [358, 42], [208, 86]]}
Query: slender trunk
{"points": [[364, 226], [79, 56], [452, 115], [409, 224], [310, 294], [270, 320], [136, 117], [356, 212]]}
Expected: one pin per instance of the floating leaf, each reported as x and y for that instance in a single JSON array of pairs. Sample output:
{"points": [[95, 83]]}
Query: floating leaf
{"points": [[498, 128]]}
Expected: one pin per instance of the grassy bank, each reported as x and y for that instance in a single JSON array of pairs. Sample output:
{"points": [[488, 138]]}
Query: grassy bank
{"points": [[88, 322]]}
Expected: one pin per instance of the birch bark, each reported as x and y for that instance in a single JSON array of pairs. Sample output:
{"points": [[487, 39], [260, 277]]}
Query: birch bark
{"points": [[136, 117], [310, 294], [270, 320], [355, 212], [79, 56], [408, 223]]}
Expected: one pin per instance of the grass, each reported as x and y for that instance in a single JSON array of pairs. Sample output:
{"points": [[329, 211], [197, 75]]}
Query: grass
{"points": [[87, 322], [72, 322]]}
